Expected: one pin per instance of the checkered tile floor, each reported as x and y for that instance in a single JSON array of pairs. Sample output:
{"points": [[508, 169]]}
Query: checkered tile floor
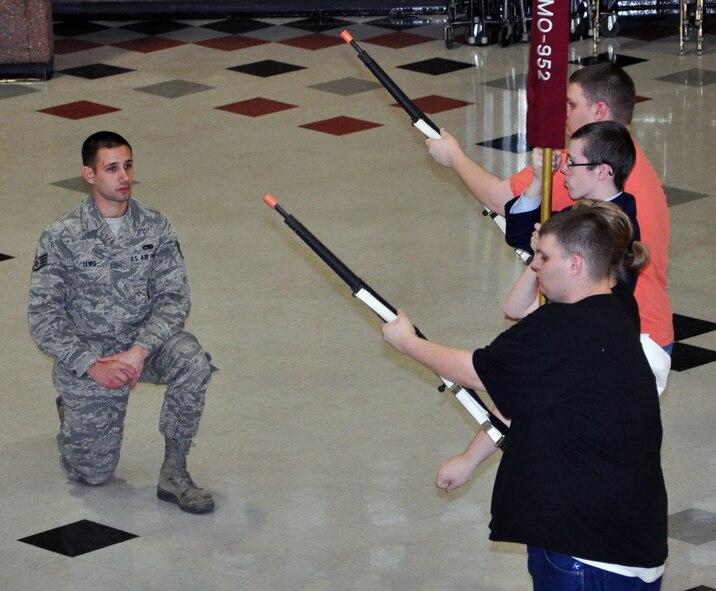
{"points": [[221, 110]]}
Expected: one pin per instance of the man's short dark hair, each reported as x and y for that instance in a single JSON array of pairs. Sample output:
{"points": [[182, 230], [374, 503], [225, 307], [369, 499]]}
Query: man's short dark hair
{"points": [[97, 141], [586, 233], [609, 142], [609, 83]]}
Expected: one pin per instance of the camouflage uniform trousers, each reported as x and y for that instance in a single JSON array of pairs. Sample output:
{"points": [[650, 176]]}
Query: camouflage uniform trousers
{"points": [[90, 438]]}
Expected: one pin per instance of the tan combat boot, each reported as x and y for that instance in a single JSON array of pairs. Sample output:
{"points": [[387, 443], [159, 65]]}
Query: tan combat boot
{"points": [[175, 483]]}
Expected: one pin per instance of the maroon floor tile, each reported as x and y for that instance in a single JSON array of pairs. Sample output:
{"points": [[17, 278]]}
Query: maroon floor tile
{"points": [[79, 110], [149, 44], [313, 41], [437, 66], [437, 104], [398, 40], [256, 107], [63, 46], [341, 125]]}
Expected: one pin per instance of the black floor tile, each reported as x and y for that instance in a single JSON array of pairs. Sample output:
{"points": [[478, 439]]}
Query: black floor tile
{"points": [[396, 24], [75, 28], [685, 357], [5, 257], [616, 58], [512, 143], [95, 71], [437, 66], [78, 538], [319, 24], [155, 27], [686, 327], [237, 26], [266, 68]]}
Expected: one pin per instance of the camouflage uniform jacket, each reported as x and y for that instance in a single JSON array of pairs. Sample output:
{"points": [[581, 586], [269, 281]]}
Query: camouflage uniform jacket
{"points": [[94, 294]]}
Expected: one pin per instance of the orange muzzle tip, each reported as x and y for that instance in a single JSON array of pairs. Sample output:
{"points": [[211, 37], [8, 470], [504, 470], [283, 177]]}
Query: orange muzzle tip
{"points": [[270, 201], [346, 36]]}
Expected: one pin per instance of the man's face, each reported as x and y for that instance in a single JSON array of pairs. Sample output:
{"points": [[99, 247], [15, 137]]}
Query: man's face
{"points": [[581, 181], [111, 177], [580, 111], [552, 268]]}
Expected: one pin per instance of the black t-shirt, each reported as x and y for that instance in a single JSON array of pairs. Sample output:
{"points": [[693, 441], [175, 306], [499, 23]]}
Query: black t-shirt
{"points": [[624, 292], [581, 472]]}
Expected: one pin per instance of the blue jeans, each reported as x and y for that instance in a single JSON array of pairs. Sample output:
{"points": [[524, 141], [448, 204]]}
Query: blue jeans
{"points": [[552, 571]]}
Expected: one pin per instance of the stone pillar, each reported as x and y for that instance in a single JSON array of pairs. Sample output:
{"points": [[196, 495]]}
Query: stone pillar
{"points": [[26, 47]]}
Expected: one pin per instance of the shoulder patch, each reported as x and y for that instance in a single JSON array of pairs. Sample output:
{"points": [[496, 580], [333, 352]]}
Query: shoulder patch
{"points": [[40, 261]]}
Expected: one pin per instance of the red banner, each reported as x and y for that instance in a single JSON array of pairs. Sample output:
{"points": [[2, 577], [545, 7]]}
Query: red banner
{"points": [[547, 78]]}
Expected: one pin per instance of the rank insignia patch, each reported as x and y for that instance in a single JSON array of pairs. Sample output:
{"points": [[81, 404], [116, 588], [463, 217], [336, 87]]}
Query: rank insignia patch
{"points": [[40, 261]]}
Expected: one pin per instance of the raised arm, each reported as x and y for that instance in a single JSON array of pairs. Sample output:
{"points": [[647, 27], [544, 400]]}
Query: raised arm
{"points": [[448, 362], [523, 298], [484, 186]]}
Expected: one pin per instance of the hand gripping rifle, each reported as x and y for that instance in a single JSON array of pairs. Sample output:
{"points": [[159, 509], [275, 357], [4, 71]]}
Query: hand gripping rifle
{"points": [[419, 119], [491, 424]]}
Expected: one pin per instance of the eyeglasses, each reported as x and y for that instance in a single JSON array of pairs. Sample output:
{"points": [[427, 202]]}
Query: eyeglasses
{"points": [[569, 164]]}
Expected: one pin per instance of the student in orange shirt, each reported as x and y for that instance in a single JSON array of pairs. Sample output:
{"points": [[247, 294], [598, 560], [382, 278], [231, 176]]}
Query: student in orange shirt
{"points": [[603, 92]]}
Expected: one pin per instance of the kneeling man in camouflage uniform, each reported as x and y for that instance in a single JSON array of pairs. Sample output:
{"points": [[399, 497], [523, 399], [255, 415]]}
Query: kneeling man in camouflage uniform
{"points": [[108, 299]]}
